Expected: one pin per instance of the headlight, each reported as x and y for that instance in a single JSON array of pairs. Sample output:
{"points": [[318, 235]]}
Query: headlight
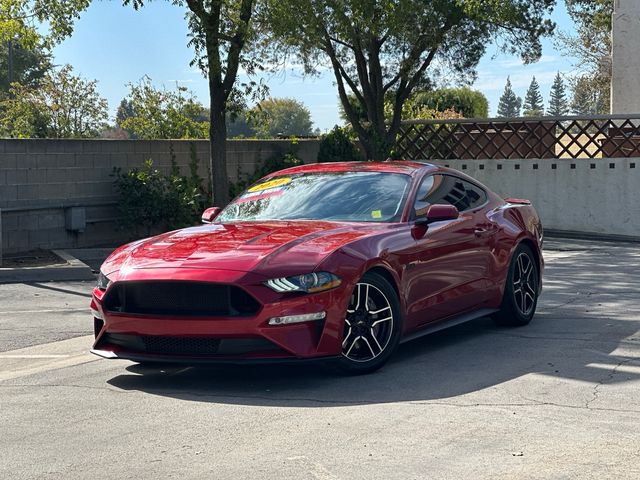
{"points": [[309, 283], [103, 281]]}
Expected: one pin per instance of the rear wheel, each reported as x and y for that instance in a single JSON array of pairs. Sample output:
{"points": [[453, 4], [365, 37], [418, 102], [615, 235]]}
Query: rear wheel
{"points": [[521, 290], [372, 326]]}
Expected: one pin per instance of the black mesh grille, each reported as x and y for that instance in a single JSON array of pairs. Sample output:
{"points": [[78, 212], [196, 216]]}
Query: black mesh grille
{"points": [[185, 299], [178, 345], [188, 346]]}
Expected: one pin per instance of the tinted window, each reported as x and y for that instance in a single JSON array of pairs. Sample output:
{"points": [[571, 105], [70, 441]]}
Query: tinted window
{"points": [[447, 189], [340, 196]]}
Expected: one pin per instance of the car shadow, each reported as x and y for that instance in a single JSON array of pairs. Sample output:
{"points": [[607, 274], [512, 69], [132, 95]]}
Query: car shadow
{"points": [[588, 323], [454, 362]]}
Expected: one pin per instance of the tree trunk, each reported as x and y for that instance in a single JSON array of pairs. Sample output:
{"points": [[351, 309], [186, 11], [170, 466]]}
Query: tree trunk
{"points": [[376, 146], [218, 147]]}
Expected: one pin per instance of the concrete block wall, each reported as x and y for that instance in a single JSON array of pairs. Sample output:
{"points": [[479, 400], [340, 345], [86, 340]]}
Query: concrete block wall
{"points": [[592, 196], [39, 177]]}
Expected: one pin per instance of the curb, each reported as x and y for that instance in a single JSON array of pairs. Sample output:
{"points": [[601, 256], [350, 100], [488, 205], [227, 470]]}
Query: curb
{"points": [[74, 269], [592, 237]]}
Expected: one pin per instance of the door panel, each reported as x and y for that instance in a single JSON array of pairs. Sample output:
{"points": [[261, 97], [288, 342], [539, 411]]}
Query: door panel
{"points": [[447, 272]]}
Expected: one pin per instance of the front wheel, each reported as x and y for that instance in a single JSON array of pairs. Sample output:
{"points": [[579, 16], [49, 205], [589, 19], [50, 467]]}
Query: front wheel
{"points": [[372, 326], [521, 290]]}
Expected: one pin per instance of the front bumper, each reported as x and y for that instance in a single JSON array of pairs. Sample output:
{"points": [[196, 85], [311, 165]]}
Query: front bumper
{"points": [[212, 360], [171, 338]]}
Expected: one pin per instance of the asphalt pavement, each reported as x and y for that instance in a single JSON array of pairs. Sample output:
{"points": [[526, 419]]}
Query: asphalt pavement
{"points": [[558, 399]]}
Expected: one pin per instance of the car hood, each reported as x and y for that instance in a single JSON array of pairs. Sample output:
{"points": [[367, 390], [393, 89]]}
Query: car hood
{"points": [[248, 246]]}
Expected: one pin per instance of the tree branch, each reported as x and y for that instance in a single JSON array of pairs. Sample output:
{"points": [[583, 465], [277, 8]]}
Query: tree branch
{"points": [[344, 98], [237, 44], [197, 7], [340, 42], [331, 51]]}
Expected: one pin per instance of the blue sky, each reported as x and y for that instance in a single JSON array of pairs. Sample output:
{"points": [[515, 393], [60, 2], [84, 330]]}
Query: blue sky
{"points": [[117, 45]]}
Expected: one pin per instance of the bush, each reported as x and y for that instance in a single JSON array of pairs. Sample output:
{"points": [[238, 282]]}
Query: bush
{"points": [[278, 161], [151, 202], [467, 102], [336, 146]]}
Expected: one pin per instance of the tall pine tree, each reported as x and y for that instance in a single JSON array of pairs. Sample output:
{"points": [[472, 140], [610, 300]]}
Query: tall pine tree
{"points": [[587, 99], [509, 104], [533, 104], [558, 104]]}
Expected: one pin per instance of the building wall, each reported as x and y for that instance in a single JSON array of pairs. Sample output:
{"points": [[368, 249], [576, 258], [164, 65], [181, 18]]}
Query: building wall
{"points": [[597, 196], [625, 62], [40, 179]]}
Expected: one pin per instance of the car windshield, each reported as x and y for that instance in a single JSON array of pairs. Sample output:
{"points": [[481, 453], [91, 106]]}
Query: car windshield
{"points": [[335, 196]]}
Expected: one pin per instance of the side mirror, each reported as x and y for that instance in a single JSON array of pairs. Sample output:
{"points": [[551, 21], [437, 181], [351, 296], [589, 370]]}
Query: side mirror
{"points": [[438, 213], [210, 214]]}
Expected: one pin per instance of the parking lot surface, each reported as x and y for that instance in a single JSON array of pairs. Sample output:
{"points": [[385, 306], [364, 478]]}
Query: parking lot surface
{"points": [[558, 399]]}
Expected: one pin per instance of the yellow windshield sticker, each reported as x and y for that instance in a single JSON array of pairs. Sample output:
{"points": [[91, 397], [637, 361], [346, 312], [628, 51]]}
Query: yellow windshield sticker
{"points": [[278, 182], [376, 214]]}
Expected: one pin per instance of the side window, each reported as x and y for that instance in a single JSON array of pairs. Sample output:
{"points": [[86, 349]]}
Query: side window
{"points": [[475, 195], [447, 189]]}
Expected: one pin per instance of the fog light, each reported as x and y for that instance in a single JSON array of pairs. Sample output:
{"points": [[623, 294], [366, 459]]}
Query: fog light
{"points": [[307, 317]]}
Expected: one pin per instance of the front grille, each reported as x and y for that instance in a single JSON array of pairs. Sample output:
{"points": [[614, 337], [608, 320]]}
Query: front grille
{"points": [[184, 299], [188, 346]]}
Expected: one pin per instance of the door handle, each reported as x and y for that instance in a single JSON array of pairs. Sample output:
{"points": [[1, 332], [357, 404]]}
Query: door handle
{"points": [[484, 232]]}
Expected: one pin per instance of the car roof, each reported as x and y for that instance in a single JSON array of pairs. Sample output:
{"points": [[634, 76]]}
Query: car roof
{"points": [[395, 166]]}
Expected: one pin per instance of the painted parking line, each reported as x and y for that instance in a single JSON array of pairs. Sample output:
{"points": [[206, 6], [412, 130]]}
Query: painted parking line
{"points": [[50, 310], [46, 357], [33, 356]]}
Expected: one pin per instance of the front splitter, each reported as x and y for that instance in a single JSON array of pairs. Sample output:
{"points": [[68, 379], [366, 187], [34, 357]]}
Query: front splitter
{"points": [[142, 358]]}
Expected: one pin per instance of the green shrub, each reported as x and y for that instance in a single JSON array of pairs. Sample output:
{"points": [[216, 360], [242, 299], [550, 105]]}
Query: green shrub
{"points": [[151, 202], [467, 102], [278, 161], [336, 146]]}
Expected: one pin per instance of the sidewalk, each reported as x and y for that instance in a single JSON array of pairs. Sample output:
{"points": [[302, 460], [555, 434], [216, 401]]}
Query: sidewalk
{"points": [[78, 264]]}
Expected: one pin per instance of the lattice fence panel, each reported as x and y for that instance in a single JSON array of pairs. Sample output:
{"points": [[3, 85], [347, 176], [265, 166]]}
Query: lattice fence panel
{"points": [[547, 137]]}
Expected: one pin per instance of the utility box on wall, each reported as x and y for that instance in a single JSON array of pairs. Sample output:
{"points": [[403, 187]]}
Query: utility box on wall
{"points": [[75, 219]]}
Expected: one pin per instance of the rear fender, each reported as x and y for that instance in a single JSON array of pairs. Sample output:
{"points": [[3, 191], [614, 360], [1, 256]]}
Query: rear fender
{"points": [[520, 223]]}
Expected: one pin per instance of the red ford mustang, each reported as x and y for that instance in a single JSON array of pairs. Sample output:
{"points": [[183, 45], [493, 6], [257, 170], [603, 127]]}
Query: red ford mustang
{"points": [[340, 260]]}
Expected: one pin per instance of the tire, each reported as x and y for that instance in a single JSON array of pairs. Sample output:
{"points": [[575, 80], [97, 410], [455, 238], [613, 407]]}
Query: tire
{"points": [[371, 331], [520, 296]]}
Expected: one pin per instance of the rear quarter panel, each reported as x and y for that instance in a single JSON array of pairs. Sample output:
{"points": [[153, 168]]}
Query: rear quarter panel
{"points": [[517, 223]]}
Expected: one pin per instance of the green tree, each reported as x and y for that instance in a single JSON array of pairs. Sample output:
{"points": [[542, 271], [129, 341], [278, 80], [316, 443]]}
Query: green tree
{"points": [[591, 46], [592, 42], [588, 99], [152, 113], [533, 103], [558, 105], [30, 22], [281, 116], [125, 111], [29, 66], [239, 126], [467, 102], [418, 107], [382, 50], [509, 104], [62, 105], [220, 31]]}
